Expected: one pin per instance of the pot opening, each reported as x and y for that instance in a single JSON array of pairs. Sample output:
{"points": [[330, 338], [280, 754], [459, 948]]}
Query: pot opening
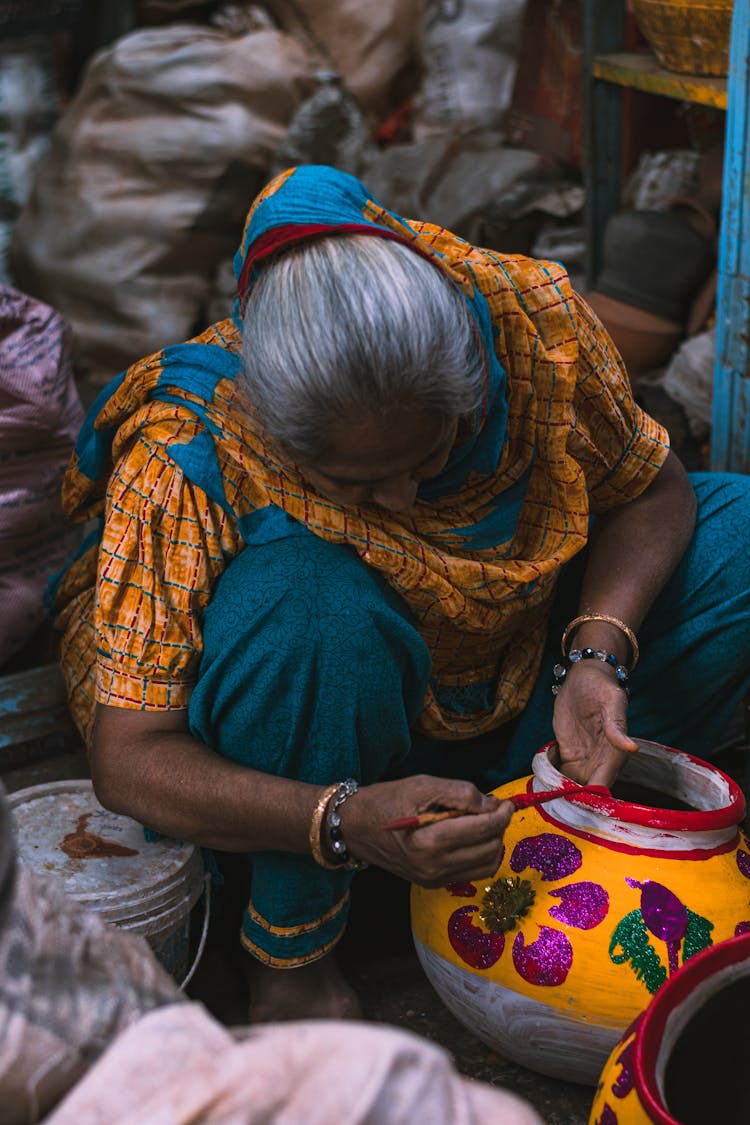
{"points": [[658, 788], [665, 779], [638, 794], [706, 1076]]}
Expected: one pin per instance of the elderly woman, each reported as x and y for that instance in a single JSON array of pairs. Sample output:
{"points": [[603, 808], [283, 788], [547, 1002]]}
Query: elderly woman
{"points": [[343, 534]]}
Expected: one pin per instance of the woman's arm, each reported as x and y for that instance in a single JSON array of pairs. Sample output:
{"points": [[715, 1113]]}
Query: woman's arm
{"points": [[147, 765], [634, 550]]}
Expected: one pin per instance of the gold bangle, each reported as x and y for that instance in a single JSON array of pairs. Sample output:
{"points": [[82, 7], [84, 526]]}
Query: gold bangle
{"points": [[316, 827], [634, 650]]}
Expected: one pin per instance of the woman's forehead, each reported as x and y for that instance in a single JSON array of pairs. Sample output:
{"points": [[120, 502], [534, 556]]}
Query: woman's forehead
{"points": [[375, 447]]}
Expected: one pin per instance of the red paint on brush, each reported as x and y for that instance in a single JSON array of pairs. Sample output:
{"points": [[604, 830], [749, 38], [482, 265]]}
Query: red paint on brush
{"points": [[520, 801]]}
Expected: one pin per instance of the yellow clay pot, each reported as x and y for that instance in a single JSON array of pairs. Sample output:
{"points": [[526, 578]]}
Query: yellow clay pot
{"points": [[596, 904]]}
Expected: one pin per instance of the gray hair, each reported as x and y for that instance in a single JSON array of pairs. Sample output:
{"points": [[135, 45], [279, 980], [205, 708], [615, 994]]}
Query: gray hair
{"points": [[351, 326]]}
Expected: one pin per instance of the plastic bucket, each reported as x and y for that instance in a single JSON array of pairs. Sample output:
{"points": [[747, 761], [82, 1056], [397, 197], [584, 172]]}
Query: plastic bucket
{"points": [[105, 862]]}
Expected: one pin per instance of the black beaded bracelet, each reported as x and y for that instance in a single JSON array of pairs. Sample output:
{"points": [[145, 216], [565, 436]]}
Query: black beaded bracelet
{"points": [[333, 823], [560, 670]]}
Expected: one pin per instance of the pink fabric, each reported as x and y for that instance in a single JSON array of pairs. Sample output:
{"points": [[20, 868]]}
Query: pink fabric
{"points": [[40, 414], [178, 1066]]}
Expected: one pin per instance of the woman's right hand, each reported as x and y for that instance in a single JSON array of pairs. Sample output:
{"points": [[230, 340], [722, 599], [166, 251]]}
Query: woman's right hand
{"points": [[461, 849], [148, 766]]}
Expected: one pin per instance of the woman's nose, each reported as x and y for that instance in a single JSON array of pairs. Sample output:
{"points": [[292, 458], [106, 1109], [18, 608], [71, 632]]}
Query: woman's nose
{"points": [[396, 493]]}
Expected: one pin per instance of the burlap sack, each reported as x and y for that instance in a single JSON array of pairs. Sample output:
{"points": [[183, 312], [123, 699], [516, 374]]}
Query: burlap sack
{"points": [[146, 184], [374, 47], [40, 414]]}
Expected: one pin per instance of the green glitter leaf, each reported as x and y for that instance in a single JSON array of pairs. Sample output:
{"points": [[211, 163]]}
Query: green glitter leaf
{"points": [[697, 935], [631, 935]]}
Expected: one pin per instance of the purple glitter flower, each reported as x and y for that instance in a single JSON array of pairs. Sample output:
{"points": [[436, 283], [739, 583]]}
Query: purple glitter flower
{"points": [[545, 961], [582, 905], [743, 862], [623, 1084], [665, 916], [553, 856], [741, 928], [608, 1117]]}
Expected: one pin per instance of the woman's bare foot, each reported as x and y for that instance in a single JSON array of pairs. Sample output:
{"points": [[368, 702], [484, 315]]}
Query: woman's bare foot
{"points": [[314, 991]]}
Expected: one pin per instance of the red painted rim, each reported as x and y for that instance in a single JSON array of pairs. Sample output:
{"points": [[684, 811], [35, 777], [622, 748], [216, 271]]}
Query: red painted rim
{"points": [[701, 820], [669, 997], [638, 849]]}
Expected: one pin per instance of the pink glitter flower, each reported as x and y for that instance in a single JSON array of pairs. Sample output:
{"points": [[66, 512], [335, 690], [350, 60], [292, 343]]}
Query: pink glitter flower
{"points": [[476, 947]]}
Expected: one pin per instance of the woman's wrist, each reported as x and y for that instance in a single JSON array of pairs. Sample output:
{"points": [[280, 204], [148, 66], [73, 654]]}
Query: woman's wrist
{"points": [[327, 841], [598, 630], [317, 835], [600, 635], [597, 641]]}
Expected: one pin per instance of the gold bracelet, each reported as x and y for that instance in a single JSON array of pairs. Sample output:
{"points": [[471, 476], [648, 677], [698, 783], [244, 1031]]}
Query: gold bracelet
{"points": [[316, 827], [634, 650]]}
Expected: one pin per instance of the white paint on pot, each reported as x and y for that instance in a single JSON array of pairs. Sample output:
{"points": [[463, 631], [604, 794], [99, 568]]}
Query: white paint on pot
{"points": [[519, 1027]]}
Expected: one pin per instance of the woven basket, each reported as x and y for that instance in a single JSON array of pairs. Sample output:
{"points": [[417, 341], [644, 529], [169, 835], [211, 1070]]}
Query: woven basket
{"points": [[687, 38]]}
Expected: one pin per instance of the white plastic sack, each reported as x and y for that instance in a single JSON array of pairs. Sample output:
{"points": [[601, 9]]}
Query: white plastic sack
{"points": [[69, 983], [661, 176], [448, 179], [689, 380], [29, 107], [147, 182], [470, 56]]}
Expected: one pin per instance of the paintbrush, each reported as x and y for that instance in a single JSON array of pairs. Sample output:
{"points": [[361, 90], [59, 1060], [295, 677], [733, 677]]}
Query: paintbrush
{"points": [[519, 800]]}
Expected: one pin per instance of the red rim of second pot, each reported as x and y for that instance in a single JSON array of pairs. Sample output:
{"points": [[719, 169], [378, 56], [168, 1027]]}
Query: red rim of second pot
{"points": [[671, 994]]}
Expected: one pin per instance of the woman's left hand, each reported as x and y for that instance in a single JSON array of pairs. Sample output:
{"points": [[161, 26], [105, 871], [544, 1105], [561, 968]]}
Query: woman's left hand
{"points": [[634, 548], [590, 724]]}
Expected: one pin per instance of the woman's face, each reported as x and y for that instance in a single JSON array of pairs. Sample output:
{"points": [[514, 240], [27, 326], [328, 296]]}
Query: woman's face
{"points": [[383, 460]]}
